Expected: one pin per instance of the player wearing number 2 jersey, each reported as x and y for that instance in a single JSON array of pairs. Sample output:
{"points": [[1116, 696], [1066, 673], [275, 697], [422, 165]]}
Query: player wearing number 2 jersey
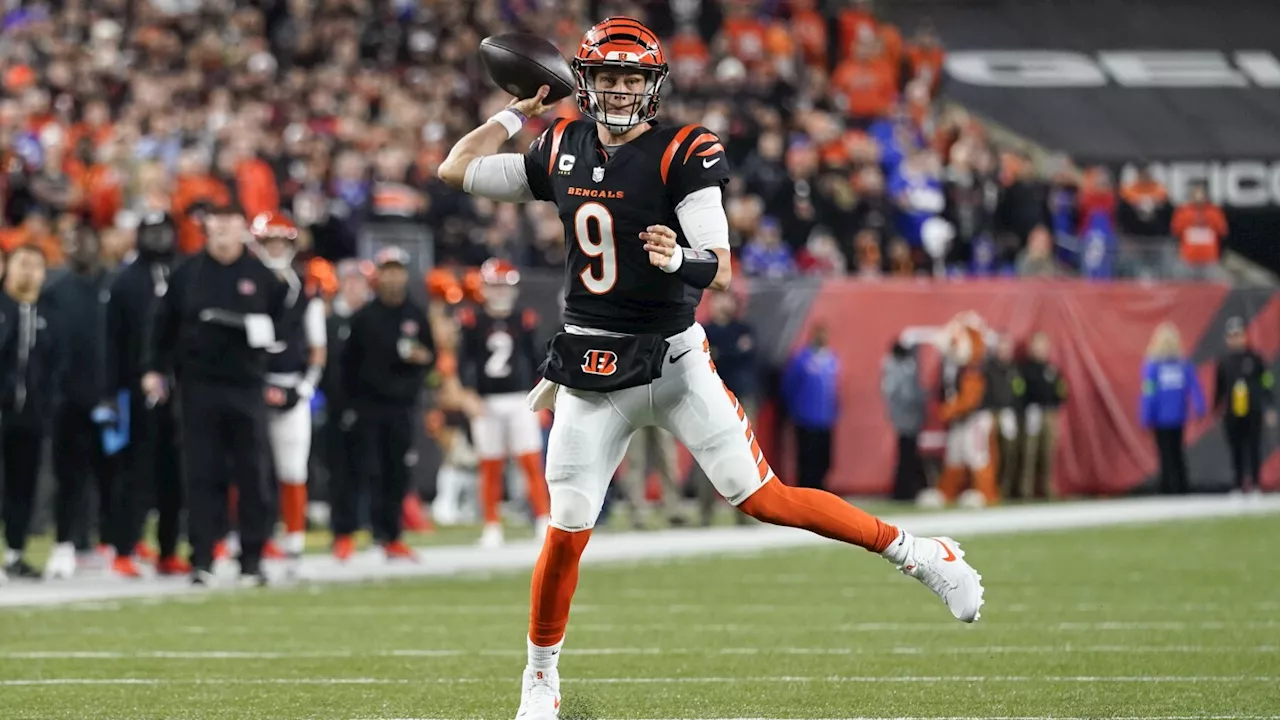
{"points": [[646, 233], [497, 360]]}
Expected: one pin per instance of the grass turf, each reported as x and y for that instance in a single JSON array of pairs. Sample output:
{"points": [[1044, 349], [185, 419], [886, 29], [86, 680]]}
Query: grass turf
{"points": [[1178, 619]]}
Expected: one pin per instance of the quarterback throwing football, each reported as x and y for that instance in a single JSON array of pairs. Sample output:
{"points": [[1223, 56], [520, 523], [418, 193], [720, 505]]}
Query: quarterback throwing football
{"points": [[646, 234]]}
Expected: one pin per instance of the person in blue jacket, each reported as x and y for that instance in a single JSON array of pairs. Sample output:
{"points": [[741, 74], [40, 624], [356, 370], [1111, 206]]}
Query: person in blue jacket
{"points": [[1169, 383], [810, 391]]}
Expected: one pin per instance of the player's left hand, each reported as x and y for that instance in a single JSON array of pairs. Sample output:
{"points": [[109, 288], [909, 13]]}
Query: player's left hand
{"points": [[660, 243]]}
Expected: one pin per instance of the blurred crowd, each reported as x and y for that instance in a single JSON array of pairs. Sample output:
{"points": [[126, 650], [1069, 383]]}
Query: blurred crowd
{"points": [[338, 112]]}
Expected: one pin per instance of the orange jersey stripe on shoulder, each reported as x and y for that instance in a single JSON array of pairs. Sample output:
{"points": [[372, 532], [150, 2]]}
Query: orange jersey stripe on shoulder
{"points": [[703, 139], [556, 134], [670, 154]]}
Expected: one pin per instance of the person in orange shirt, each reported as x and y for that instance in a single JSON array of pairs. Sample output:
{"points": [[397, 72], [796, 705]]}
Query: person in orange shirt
{"points": [[744, 34], [809, 28], [689, 55], [866, 84], [35, 230], [195, 184], [926, 56], [858, 25], [1201, 227]]}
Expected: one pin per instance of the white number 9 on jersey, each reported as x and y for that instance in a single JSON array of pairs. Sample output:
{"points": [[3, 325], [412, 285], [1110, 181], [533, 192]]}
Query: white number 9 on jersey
{"points": [[606, 248]]}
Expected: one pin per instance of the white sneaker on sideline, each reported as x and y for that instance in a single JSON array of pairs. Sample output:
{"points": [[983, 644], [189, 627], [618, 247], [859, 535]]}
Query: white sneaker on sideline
{"points": [[492, 536], [62, 562]]}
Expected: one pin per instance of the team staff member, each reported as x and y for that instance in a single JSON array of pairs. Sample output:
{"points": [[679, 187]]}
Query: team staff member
{"points": [[341, 448], [384, 364], [32, 361], [212, 330], [76, 297], [147, 468], [1243, 393]]}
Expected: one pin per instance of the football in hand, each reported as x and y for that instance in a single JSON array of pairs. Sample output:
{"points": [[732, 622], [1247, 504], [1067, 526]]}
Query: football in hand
{"points": [[520, 63]]}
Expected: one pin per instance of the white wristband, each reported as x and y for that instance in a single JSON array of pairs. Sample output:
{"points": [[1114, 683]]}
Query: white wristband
{"points": [[676, 261], [510, 120]]}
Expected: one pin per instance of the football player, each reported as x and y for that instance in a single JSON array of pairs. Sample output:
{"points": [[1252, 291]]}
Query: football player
{"points": [[497, 361], [294, 369], [646, 234]]}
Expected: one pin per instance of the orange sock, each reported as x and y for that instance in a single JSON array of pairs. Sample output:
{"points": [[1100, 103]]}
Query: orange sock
{"points": [[952, 482], [233, 505], [293, 507], [984, 481], [819, 512], [555, 577], [491, 488], [531, 463]]}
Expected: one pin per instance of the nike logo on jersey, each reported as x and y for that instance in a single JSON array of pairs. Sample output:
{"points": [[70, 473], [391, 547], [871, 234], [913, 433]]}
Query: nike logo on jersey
{"points": [[676, 358], [708, 163]]}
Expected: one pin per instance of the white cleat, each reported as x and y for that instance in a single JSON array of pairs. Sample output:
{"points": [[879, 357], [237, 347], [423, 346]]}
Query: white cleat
{"points": [[491, 537], [939, 564], [62, 562], [540, 695]]}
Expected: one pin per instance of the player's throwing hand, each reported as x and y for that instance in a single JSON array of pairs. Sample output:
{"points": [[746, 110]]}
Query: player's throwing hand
{"points": [[660, 243], [532, 107]]}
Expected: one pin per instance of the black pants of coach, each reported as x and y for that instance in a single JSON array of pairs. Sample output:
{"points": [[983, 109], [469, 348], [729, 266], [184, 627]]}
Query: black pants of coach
{"points": [[813, 456], [22, 448], [1173, 461], [1244, 437], [78, 459], [149, 475], [385, 437], [908, 476], [224, 443], [346, 484]]}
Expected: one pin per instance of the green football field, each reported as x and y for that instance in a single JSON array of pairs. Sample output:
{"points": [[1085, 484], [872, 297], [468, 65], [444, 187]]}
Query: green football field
{"points": [[1176, 620]]}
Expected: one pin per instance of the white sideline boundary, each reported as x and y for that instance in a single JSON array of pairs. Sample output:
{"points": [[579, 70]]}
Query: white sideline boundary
{"points": [[449, 561]]}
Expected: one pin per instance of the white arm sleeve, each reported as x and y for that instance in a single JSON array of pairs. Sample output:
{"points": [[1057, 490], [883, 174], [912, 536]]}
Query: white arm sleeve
{"points": [[313, 323], [702, 217], [498, 177]]}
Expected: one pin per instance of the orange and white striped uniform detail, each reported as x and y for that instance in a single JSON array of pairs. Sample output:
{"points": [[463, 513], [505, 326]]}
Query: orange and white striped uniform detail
{"points": [[592, 431]]}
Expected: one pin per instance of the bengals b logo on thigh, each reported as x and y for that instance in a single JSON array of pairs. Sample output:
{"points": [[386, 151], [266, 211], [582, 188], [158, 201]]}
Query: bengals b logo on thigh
{"points": [[600, 362]]}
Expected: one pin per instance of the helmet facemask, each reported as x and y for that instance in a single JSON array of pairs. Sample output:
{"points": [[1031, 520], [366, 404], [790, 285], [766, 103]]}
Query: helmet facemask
{"points": [[620, 105]]}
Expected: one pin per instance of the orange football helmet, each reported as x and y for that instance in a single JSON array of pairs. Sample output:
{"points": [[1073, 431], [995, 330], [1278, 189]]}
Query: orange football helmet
{"points": [[621, 44]]}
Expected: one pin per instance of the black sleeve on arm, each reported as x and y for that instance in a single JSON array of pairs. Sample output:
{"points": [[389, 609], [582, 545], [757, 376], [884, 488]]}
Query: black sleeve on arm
{"points": [[698, 161], [699, 267], [541, 157], [161, 328]]}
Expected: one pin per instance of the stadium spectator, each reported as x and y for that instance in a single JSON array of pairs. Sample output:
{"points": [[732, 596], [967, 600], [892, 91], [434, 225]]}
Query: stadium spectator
{"points": [[764, 255], [1024, 202], [1144, 207], [905, 400], [1169, 384], [1044, 393], [1200, 227], [1037, 260], [810, 390]]}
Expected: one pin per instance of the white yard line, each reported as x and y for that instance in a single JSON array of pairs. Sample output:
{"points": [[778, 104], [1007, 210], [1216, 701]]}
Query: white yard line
{"points": [[783, 679], [671, 544], [627, 651]]}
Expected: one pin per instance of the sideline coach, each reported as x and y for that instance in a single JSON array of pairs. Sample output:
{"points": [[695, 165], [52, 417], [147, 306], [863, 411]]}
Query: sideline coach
{"points": [[212, 329], [384, 364]]}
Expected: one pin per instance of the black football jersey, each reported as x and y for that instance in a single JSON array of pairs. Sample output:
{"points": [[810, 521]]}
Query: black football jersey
{"points": [[291, 332], [498, 355], [606, 202]]}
